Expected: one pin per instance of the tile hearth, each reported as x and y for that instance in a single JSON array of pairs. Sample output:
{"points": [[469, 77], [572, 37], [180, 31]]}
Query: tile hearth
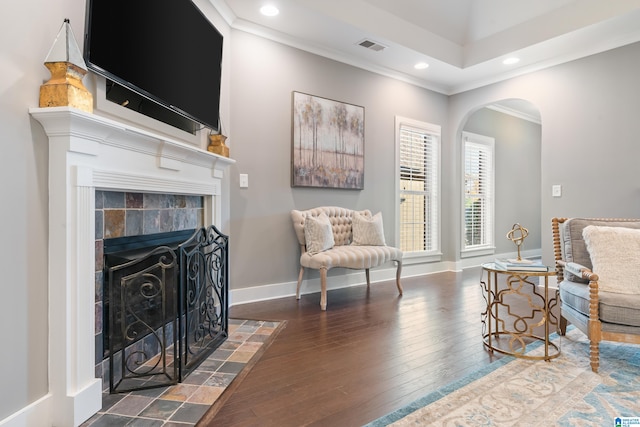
{"points": [[184, 404]]}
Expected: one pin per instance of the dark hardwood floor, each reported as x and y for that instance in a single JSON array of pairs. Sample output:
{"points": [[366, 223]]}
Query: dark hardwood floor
{"points": [[370, 353]]}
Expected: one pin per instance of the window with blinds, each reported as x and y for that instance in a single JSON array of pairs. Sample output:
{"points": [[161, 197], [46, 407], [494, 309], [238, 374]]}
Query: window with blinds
{"points": [[478, 191], [418, 154]]}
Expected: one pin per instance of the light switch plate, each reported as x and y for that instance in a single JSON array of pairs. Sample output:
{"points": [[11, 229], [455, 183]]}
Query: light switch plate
{"points": [[556, 190], [244, 180]]}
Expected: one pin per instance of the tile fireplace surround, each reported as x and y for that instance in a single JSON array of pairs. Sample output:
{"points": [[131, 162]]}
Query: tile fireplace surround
{"points": [[89, 152]]}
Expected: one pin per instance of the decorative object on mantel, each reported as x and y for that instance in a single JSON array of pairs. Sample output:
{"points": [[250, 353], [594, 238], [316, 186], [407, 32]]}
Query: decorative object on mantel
{"points": [[217, 146], [517, 234], [216, 142], [67, 68]]}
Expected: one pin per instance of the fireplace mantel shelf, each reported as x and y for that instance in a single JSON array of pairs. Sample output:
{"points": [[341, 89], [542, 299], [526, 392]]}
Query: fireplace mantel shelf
{"points": [[95, 130]]}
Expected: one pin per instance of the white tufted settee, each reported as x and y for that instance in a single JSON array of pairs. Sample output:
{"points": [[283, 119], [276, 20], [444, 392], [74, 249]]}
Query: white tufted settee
{"points": [[344, 252]]}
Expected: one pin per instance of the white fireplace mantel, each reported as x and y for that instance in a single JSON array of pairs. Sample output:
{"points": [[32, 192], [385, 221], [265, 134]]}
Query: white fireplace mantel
{"points": [[89, 152]]}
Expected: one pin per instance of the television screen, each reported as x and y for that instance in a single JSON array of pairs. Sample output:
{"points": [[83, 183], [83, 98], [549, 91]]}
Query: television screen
{"points": [[164, 50]]}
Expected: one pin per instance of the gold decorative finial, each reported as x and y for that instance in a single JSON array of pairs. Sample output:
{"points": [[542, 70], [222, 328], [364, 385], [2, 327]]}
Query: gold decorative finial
{"points": [[67, 68], [518, 239]]}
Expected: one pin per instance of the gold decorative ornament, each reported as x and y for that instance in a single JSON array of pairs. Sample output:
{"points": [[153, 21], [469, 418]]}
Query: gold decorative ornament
{"points": [[217, 146], [517, 234], [67, 68]]}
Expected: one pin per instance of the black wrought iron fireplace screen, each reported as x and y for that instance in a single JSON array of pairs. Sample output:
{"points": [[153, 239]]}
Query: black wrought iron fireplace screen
{"points": [[165, 305]]}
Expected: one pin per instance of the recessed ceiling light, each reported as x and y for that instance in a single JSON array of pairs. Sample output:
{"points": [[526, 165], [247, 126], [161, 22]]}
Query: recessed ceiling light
{"points": [[511, 61], [421, 66], [269, 10]]}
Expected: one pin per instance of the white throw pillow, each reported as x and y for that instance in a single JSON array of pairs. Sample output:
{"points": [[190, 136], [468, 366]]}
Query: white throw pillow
{"points": [[367, 232], [615, 255], [318, 234]]}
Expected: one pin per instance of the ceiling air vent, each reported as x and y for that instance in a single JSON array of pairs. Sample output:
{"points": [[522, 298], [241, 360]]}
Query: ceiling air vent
{"points": [[370, 44]]}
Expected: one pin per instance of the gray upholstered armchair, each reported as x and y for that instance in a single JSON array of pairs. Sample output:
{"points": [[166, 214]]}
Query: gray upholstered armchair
{"points": [[597, 263]]}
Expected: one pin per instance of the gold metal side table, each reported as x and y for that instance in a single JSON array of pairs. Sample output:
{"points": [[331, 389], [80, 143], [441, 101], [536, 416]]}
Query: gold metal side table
{"points": [[504, 328]]}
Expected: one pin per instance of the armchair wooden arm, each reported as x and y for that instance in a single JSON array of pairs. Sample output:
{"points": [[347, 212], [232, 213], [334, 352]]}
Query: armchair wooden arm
{"points": [[578, 269]]}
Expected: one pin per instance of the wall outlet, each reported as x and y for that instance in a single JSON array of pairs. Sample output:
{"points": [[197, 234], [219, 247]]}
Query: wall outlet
{"points": [[556, 190]]}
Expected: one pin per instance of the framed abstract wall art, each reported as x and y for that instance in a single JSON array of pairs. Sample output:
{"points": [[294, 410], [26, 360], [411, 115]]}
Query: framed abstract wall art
{"points": [[327, 143]]}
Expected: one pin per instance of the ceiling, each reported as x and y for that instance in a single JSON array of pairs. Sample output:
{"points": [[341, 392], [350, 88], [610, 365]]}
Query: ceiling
{"points": [[463, 41]]}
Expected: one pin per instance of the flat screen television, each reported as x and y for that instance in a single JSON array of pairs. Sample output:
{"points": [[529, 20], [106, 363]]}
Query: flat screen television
{"points": [[166, 51]]}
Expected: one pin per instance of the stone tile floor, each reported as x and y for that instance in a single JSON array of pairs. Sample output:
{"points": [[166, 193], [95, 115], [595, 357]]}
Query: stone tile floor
{"points": [[184, 404]]}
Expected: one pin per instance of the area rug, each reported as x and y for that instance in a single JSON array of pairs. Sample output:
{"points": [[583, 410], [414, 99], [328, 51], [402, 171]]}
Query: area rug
{"points": [[518, 392]]}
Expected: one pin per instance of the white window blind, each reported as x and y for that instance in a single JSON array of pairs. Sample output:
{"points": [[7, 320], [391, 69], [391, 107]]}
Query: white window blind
{"points": [[478, 191], [419, 198]]}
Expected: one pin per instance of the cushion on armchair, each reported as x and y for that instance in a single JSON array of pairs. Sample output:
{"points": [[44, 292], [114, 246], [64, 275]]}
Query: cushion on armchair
{"points": [[574, 248], [613, 308], [615, 256]]}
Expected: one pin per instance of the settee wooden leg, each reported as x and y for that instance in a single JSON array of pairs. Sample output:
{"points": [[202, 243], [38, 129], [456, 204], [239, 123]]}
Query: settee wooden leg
{"points": [[299, 282], [398, 271], [323, 289], [366, 272]]}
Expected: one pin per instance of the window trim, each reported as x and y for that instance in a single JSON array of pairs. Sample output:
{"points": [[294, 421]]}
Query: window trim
{"points": [[436, 253], [488, 248]]}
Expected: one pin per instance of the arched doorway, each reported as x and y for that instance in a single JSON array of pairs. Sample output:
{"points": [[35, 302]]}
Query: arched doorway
{"points": [[505, 136]]}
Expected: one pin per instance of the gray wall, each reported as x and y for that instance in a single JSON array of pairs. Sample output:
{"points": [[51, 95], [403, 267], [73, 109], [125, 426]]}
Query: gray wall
{"points": [[517, 174], [264, 76], [25, 40], [590, 129]]}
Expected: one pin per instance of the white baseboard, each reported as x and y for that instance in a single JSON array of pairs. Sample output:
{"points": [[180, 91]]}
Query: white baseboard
{"points": [[357, 278], [61, 411], [31, 415], [309, 286]]}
